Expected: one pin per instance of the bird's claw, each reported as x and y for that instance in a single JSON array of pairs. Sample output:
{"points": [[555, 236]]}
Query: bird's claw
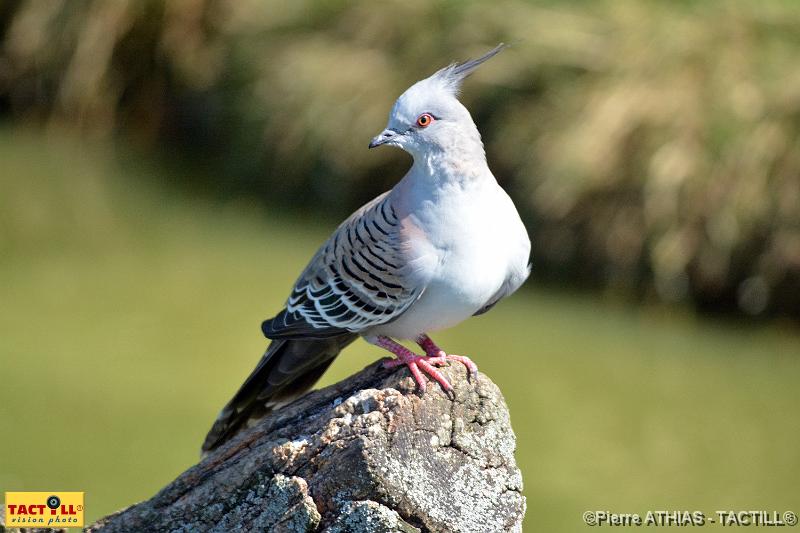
{"points": [[417, 365], [442, 359], [427, 364], [439, 357]]}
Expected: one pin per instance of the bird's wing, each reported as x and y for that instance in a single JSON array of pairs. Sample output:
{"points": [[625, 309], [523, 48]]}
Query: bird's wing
{"points": [[358, 279]]}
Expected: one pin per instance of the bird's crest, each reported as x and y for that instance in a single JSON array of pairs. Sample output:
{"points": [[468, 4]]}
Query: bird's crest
{"points": [[451, 76]]}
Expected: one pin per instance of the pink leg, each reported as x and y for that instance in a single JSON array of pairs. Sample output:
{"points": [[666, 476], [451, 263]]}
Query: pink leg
{"points": [[416, 363], [439, 357]]}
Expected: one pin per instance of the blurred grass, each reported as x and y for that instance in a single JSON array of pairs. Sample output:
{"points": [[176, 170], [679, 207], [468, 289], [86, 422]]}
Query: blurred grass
{"points": [[130, 314], [653, 147]]}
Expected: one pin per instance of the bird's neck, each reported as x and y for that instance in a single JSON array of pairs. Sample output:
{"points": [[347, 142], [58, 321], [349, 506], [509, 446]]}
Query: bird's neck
{"points": [[441, 177], [460, 161]]}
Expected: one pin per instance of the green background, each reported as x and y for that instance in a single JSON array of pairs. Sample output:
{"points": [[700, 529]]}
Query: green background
{"points": [[131, 314]]}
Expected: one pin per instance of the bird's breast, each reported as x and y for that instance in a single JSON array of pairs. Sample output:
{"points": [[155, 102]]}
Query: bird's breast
{"points": [[463, 248], [475, 258]]}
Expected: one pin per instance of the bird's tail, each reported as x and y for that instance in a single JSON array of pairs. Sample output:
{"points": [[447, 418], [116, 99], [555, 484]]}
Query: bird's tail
{"points": [[288, 369]]}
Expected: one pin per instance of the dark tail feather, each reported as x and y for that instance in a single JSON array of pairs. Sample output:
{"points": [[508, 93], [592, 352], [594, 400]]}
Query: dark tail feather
{"points": [[288, 369]]}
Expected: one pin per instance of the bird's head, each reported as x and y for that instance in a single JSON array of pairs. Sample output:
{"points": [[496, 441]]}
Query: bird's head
{"points": [[428, 116]]}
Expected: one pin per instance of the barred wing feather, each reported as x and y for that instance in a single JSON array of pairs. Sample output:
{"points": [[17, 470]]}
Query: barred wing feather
{"points": [[356, 280]]}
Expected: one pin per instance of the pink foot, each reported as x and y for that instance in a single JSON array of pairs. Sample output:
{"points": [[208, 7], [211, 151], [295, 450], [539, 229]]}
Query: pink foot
{"points": [[437, 356], [417, 364]]}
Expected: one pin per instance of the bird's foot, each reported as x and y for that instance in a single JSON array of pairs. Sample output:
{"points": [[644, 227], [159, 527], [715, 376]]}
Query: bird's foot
{"points": [[464, 360], [417, 364], [437, 356]]}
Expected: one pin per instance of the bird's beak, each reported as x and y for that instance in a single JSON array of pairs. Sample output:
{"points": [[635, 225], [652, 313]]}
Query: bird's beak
{"points": [[385, 136]]}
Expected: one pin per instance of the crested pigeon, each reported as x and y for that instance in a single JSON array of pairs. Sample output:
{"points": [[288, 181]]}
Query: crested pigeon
{"points": [[446, 243]]}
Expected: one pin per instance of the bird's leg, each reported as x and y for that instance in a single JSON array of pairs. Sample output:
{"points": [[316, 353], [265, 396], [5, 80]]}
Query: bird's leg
{"points": [[437, 356], [417, 364]]}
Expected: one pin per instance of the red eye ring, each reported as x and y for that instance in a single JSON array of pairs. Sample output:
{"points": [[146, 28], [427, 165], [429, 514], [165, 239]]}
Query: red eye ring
{"points": [[425, 120]]}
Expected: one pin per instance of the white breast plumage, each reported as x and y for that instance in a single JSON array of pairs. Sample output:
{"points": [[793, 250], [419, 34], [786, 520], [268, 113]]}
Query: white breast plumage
{"points": [[481, 251]]}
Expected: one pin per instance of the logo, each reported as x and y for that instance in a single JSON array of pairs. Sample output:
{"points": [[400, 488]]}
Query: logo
{"points": [[44, 509]]}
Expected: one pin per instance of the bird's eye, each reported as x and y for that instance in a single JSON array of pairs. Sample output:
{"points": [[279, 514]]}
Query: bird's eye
{"points": [[425, 120]]}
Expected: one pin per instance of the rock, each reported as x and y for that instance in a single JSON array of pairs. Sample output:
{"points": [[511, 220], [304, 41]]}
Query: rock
{"points": [[368, 454], [368, 517]]}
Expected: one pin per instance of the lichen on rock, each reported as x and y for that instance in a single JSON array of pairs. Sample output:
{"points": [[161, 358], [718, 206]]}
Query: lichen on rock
{"points": [[369, 454]]}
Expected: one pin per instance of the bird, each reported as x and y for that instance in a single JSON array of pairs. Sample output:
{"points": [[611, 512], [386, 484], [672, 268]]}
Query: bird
{"points": [[444, 244]]}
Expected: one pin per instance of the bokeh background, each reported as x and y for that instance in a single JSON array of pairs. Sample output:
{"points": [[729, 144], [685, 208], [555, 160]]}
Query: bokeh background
{"points": [[167, 167]]}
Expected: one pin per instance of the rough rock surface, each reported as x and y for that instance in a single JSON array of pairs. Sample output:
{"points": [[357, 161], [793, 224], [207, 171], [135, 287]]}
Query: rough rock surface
{"points": [[369, 454]]}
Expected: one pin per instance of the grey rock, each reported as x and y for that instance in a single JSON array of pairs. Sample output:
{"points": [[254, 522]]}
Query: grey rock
{"points": [[369, 517], [368, 454]]}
